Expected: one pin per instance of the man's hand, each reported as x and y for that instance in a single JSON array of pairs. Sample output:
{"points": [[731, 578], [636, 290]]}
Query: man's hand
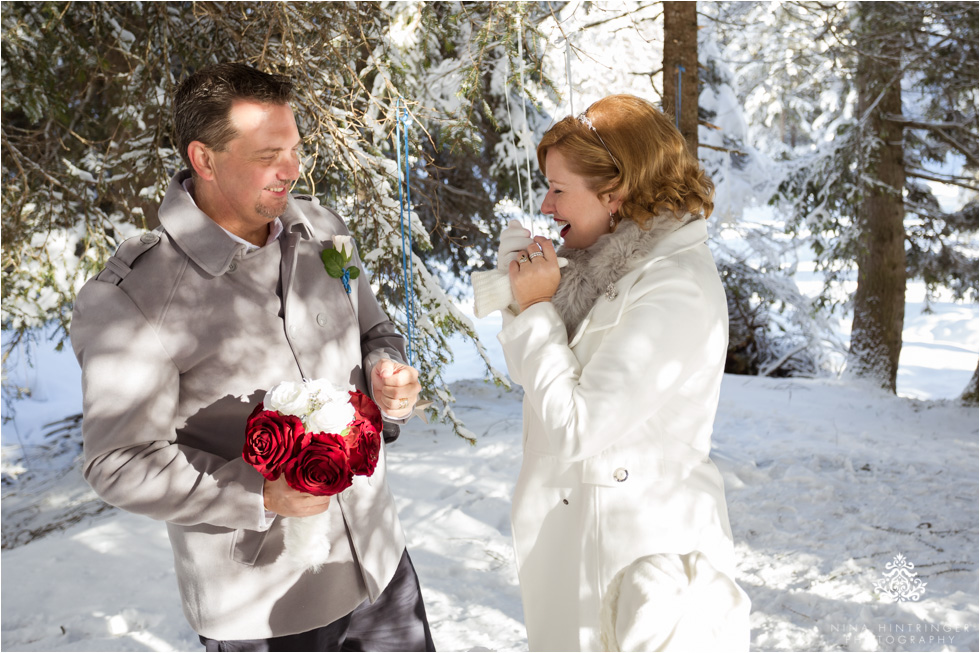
{"points": [[396, 387], [284, 500]]}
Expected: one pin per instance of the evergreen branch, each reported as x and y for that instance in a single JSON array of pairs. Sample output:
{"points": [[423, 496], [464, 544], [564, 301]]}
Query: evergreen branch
{"points": [[923, 124], [616, 16], [951, 181], [722, 149], [938, 128]]}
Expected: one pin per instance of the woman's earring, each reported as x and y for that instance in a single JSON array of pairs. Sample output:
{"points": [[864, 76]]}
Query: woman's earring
{"points": [[612, 220]]}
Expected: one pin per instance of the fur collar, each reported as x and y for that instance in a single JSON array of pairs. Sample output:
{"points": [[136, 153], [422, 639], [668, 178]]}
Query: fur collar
{"points": [[591, 272]]}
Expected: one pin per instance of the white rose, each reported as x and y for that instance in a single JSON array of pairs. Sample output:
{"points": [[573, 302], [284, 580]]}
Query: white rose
{"points": [[288, 398], [344, 245], [325, 391], [331, 417]]}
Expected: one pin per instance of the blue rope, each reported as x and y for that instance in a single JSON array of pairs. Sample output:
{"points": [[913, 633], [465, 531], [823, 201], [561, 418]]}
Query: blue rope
{"points": [[406, 249], [677, 103]]}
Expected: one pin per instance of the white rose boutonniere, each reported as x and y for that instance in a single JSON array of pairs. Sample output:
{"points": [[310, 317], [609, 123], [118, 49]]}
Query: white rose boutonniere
{"points": [[336, 260], [344, 244]]}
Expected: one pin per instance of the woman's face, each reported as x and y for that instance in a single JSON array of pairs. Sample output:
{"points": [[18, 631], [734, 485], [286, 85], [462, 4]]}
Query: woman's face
{"points": [[581, 216]]}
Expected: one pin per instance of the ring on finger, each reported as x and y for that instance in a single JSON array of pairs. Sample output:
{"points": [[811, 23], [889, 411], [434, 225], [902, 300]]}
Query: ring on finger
{"points": [[534, 254], [523, 259], [403, 403]]}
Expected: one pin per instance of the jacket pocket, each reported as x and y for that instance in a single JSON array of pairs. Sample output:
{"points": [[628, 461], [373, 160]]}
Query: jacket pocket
{"points": [[247, 545]]}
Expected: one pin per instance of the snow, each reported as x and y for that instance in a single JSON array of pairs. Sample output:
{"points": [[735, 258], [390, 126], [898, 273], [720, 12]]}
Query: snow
{"points": [[827, 482]]}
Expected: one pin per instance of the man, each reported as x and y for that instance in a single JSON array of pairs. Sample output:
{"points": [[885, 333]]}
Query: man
{"points": [[179, 338]]}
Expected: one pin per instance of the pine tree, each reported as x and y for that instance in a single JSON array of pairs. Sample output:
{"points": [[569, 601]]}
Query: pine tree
{"points": [[680, 77], [858, 197], [879, 301], [774, 329], [87, 153]]}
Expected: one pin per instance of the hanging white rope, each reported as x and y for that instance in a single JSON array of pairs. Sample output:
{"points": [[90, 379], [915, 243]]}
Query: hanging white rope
{"points": [[568, 73], [527, 134], [513, 131], [527, 199]]}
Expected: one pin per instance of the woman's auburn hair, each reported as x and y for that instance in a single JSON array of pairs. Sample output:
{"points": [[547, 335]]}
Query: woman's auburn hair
{"points": [[653, 170]]}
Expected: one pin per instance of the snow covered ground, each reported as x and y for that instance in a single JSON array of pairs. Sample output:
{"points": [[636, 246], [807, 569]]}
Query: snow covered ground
{"points": [[827, 483]]}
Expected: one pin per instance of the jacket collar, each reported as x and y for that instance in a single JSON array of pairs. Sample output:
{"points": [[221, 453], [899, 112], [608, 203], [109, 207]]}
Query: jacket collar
{"points": [[200, 237], [689, 236]]}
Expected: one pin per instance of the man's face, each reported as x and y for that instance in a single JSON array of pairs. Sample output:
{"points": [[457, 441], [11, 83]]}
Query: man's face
{"points": [[257, 168]]}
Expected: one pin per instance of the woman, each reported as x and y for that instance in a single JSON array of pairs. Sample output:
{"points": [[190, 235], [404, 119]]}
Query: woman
{"points": [[621, 355]]}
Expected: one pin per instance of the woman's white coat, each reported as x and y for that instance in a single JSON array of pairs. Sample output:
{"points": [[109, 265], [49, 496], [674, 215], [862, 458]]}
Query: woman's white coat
{"points": [[617, 431]]}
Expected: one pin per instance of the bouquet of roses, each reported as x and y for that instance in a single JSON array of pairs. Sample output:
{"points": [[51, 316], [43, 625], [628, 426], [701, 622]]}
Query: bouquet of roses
{"points": [[318, 436]]}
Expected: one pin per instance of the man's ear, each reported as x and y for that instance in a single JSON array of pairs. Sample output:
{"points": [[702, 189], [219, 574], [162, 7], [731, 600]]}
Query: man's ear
{"points": [[202, 160]]}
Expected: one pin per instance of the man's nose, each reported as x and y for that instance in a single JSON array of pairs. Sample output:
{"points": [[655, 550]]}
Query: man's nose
{"points": [[290, 167]]}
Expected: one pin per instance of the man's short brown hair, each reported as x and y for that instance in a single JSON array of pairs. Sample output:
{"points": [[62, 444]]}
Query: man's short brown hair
{"points": [[203, 102]]}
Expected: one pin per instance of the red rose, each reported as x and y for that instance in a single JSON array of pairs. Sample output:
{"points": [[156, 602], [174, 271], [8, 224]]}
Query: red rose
{"points": [[320, 467], [363, 447], [270, 439], [364, 408], [364, 437]]}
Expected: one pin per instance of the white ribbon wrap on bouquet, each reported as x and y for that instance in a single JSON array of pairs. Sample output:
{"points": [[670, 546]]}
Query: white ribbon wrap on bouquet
{"points": [[307, 539]]}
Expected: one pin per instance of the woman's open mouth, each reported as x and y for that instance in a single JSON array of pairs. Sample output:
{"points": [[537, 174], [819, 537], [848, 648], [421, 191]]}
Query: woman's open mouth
{"points": [[563, 226]]}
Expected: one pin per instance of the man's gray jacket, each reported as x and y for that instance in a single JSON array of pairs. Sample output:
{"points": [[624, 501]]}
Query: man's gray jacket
{"points": [[178, 338]]}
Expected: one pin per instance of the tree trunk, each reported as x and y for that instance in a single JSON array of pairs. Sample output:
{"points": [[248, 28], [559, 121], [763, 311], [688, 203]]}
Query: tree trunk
{"points": [[971, 394], [681, 51], [879, 302]]}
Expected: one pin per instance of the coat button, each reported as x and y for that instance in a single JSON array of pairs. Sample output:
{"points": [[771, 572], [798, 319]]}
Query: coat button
{"points": [[321, 319], [149, 238], [233, 267], [621, 474]]}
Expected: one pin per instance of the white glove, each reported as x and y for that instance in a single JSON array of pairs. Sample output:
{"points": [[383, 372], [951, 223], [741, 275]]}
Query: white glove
{"points": [[492, 292], [491, 288], [513, 239]]}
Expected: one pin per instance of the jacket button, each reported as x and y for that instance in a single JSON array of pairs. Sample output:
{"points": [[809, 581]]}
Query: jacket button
{"points": [[621, 474], [321, 319], [149, 238], [233, 267]]}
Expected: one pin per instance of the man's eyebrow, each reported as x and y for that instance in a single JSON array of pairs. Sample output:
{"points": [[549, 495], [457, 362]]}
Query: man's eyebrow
{"points": [[265, 150]]}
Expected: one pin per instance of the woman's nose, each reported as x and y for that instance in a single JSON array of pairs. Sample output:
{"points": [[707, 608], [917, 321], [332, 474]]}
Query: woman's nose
{"points": [[547, 205]]}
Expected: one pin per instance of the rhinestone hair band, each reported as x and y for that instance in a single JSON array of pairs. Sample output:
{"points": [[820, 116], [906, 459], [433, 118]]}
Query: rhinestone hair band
{"points": [[585, 120]]}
